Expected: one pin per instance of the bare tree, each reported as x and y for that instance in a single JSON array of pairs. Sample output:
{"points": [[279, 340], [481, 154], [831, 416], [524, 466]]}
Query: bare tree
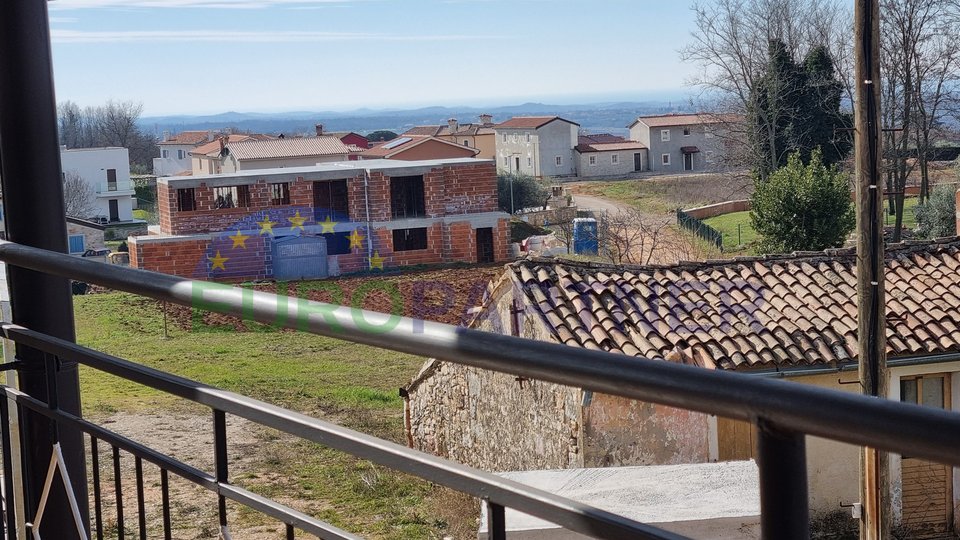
{"points": [[112, 124], [731, 44], [631, 237], [79, 200], [919, 50]]}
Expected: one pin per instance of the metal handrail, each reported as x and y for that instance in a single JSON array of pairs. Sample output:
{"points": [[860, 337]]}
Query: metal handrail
{"points": [[782, 411], [887, 425], [570, 514]]}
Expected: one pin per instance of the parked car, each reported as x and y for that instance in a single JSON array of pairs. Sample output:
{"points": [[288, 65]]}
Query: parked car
{"points": [[96, 252]]}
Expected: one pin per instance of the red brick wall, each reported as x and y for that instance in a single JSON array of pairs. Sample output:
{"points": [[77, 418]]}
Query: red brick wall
{"points": [[451, 190], [190, 258]]}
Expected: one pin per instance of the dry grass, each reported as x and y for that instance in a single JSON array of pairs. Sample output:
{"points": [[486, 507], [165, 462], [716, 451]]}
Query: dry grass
{"points": [[664, 194]]}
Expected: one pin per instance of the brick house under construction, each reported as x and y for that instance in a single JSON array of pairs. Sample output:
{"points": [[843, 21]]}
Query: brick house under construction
{"points": [[325, 220]]}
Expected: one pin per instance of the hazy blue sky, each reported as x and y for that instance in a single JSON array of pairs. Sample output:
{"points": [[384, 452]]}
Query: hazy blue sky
{"points": [[208, 56]]}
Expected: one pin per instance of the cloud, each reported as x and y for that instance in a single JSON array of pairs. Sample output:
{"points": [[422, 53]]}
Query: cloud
{"points": [[180, 4], [227, 36]]}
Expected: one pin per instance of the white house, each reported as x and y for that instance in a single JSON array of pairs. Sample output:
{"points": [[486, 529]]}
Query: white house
{"points": [[537, 145], [107, 171], [175, 151]]}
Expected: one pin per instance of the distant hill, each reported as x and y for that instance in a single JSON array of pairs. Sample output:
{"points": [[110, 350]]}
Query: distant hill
{"points": [[595, 117]]}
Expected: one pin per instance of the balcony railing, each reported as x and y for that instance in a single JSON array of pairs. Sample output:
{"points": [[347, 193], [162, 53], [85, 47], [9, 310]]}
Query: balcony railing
{"points": [[106, 188], [782, 411]]}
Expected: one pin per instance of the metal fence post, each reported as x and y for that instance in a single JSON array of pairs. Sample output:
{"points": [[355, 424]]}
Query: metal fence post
{"points": [[784, 504], [34, 209]]}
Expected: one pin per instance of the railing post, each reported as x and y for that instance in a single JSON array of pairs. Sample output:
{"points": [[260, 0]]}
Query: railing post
{"points": [[34, 212], [10, 521], [220, 458], [784, 505]]}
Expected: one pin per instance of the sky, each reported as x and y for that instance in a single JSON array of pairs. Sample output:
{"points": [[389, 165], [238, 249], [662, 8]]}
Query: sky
{"points": [[211, 56]]}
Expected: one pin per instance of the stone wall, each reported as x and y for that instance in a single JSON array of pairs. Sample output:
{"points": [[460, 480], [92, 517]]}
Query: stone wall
{"points": [[491, 420], [551, 216], [726, 207]]}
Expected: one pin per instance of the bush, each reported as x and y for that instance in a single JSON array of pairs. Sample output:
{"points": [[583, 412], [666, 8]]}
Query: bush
{"points": [[938, 216], [527, 192], [802, 207], [122, 248]]}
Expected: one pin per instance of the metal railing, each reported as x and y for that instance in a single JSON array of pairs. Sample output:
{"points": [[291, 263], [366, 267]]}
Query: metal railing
{"points": [[700, 228], [782, 411], [110, 187]]}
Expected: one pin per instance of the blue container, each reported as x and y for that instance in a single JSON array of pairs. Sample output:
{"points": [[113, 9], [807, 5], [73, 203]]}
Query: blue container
{"points": [[585, 236]]}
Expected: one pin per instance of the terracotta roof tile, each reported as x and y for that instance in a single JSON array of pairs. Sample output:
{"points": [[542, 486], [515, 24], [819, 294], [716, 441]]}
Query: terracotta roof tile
{"points": [[751, 312], [288, 148], [530, 122]]}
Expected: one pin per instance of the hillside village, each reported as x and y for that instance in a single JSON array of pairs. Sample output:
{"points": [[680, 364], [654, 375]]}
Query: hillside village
{"points": [[738, 319]]}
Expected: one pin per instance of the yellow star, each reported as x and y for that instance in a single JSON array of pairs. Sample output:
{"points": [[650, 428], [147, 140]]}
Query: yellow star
{"points": [[356, 239], [266, 226], [296, 222], [376, 262], [239, 240], [218, 262], [328, 225]]}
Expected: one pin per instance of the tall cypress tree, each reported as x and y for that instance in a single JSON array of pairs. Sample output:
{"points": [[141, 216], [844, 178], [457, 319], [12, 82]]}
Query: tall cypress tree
{"points": [[796, 109]]}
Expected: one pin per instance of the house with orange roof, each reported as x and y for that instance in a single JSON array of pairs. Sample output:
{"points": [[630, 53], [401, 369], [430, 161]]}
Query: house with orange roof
{"points": [[418, 147], [680, 143], [282, 153], [541, 146], [175, 151], [791, 316], [480, 136], [603, 154]]}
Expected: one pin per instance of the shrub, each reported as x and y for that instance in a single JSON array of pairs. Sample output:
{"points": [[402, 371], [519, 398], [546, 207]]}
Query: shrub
{"points": [[938, 216], [123, 247], [802, 207], [527, 192]]}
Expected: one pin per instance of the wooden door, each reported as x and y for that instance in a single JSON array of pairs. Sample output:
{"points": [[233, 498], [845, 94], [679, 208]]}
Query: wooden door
{"points": [[927, 500], [736, 440]]}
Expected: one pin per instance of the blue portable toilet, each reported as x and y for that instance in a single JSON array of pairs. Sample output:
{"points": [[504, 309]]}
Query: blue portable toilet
{"points": [[585, 236]]}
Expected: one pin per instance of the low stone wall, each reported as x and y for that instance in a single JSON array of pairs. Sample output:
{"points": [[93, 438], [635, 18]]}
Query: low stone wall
{"points": [[726, 207], [552, 216]]}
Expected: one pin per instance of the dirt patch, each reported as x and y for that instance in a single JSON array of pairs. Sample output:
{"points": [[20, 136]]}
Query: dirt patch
{"points": [[442, 295]]}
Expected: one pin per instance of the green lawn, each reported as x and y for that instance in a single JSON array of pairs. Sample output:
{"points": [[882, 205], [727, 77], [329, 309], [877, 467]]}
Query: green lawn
{"points": [[728, 225], [354, 385], [736, 229]]}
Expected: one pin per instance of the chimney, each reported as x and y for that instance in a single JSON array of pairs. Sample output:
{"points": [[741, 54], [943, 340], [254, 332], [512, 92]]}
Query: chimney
{"points": [[454, 125], [166, 136], [486, 119], [319, 130]]}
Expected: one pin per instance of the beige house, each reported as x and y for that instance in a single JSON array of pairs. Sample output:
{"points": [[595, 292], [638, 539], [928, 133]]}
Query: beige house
{"points": [[480, 136], [282, 153], [791, 317], [207, 158], [417, 147]]}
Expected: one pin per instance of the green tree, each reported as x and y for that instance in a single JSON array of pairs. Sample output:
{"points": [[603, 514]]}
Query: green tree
{"points": [[381, 136], [803, 207], [937, 217], [796, 108], [517, 191]]}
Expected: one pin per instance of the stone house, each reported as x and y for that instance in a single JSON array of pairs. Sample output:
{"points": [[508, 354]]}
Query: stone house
{"points": [[541, 146], [83, 235], [418, 147], [480, 135], [680, 142], [790, 316], [332, 218], [609, 155]]}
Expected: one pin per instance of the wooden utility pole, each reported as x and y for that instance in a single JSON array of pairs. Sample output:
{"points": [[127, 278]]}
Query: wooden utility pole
{"points": [[874, 470]]}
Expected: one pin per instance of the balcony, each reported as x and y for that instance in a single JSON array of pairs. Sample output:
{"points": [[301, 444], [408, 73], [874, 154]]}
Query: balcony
{"points": [[113, 189], [783, 412]]}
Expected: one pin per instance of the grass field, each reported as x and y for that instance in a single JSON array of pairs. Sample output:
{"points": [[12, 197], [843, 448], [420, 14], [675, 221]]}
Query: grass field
{"points": [[350, 384], [727, 224], [662, 195]]}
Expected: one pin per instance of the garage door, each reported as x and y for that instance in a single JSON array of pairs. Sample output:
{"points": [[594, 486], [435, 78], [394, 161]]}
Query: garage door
{"points": [[299, 257]]}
